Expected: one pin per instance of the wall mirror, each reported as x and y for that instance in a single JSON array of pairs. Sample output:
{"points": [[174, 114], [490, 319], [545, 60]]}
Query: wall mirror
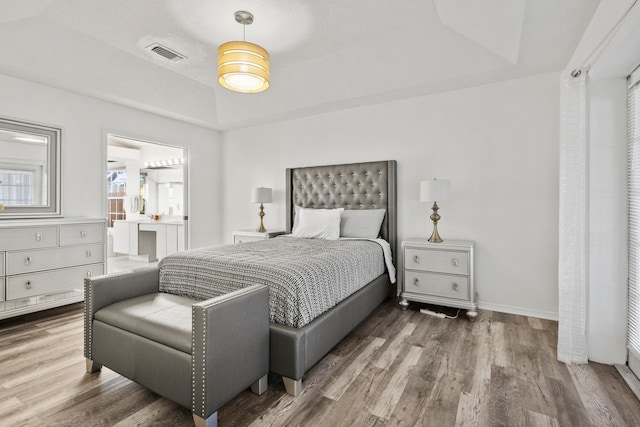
{"points": [[29, 170]]}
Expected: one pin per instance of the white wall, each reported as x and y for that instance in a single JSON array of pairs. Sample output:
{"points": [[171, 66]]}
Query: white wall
{"points": [[86, 121], [497, 143]]}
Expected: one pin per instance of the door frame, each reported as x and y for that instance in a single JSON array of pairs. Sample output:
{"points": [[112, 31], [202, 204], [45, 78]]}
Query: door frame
{"points": [[107, 134]]}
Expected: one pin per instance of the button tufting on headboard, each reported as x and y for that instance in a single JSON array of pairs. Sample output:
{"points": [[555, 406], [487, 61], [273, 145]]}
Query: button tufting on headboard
{"points": [[350, 186]]}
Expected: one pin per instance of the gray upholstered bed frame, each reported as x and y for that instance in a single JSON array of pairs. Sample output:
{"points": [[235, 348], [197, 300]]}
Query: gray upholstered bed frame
{"points": [[133, 328], [370, 185]]}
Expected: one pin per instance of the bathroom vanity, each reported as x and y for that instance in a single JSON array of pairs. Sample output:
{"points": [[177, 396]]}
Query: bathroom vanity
{"points": [[148, 240]]}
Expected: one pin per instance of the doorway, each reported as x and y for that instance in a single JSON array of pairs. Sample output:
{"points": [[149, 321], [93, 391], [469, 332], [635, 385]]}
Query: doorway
{"points": [[146, 202]]}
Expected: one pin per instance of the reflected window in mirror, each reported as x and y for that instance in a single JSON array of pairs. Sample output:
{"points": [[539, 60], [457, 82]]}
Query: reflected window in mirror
{"points": [[29, 170], [16, 185]]}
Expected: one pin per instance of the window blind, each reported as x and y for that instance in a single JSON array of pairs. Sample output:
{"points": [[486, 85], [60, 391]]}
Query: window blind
{"points": [[633, 214]]}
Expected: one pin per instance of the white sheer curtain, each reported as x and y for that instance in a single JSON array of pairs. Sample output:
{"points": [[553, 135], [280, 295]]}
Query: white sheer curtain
{"points": [[572, 262]]}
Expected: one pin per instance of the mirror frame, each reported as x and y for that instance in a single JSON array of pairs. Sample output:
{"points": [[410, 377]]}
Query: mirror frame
{"points": [[54, 194]]}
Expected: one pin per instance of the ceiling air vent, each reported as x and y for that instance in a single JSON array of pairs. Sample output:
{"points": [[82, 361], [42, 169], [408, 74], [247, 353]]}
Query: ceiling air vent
{"points": [[165, 52]]}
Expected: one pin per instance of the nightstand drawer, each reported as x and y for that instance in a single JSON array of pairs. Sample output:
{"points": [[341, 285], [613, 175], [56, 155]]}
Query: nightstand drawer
{"points": [[442, 285], [439, 261], [245, 238]]}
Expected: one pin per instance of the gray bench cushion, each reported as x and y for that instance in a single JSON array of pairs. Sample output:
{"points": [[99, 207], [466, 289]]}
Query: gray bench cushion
{"points": [[160, 317]]}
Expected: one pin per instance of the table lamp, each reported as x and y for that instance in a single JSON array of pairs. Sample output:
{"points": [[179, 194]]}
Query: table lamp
{"points": [[433, 191], [262, 195]]}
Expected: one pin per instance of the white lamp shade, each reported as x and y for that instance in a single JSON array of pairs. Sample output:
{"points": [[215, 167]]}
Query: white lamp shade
{"points": [[435, 190], [262, 195]]}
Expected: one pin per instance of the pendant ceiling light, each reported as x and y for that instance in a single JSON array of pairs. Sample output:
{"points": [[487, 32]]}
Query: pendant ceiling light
{"points": [[243, 66]]}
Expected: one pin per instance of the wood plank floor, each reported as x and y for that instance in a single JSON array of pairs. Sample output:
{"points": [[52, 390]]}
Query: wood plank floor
{"points": [[397, 369]]}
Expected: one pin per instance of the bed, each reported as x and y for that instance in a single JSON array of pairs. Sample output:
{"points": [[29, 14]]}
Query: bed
{"points": [[299, 339]]}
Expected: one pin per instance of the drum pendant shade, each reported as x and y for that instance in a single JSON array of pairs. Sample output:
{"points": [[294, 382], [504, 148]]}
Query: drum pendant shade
{"points": [[243, 66]]}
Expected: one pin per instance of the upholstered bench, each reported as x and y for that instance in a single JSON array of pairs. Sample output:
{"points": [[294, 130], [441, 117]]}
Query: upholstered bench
{"points": [[199, 354]]}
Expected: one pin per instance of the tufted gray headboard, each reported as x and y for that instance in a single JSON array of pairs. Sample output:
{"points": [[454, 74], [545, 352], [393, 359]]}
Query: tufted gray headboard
{"points": [[370, 185]]}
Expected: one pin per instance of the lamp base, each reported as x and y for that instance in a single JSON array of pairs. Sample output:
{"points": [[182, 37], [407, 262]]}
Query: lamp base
{"points": [[435, 237], [261, 214]]}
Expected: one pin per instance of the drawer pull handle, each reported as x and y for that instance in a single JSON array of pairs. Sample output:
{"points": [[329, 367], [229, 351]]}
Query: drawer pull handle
{"points": [[83, 234], [416, 259], [28, 284], [416, 282], [455, 262], [88, 253], [88, 274], [38, 237], [454, 285], [27, 260]]}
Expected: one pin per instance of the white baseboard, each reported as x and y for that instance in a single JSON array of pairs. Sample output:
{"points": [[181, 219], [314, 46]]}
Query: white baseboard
{"points": [[630, 378], [519, 310]]}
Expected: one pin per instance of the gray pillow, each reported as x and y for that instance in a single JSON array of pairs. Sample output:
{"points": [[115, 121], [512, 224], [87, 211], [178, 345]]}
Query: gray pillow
{"points": [[362, 223]]}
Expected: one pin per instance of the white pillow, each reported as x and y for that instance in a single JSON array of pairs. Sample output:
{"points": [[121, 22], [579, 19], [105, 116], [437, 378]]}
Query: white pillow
{"points": [[318, 223], [296, 218], [362, 223]]}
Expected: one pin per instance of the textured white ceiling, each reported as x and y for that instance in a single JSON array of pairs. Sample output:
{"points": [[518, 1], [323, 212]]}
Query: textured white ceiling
{"points": [[325, 55]]}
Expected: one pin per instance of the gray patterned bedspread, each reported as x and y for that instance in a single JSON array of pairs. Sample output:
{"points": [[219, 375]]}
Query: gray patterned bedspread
{"points": [[306, 277]]}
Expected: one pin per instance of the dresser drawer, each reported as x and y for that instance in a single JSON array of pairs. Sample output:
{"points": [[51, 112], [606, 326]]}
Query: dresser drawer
{"points": [[441, 285], [44, 259], [29, 237], [440, 261], [28, 285], [1, 263], [78, 234], [2, 288]]}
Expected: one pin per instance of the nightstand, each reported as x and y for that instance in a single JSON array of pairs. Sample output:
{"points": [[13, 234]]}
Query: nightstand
{"points": [[439, 273], [251, 235]]}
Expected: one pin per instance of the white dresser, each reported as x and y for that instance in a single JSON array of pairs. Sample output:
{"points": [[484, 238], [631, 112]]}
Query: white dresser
{"points": [[440, 273], [43, 263]]}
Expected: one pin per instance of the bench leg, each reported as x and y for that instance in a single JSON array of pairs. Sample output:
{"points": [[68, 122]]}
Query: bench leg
{"points": [[292, 387], [92, 366], [212, 421], [261, 385]]}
